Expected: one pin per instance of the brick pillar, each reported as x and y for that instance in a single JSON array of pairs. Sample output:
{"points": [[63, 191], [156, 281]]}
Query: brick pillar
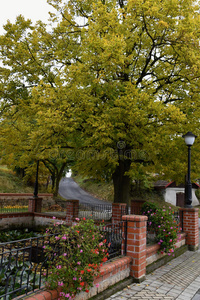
{"points": [[72, 210], [31, 205], [189, 219], [118, 210], [38, 205], [35, 205], [136, 245]]}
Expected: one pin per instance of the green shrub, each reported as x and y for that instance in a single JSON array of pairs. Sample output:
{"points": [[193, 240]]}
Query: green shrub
{"points": [[162, 222]]}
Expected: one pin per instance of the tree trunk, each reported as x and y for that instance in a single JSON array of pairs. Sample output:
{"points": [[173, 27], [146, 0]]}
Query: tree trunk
{"points": [[58, 178], [122, 182]]}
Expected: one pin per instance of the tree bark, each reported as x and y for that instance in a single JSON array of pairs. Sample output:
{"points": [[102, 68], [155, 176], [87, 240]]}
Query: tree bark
{"points": [[121, 182]]}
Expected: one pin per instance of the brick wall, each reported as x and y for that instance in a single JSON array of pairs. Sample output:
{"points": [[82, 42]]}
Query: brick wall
{"points": [[152, 254], [110, 273], [16, 196]]}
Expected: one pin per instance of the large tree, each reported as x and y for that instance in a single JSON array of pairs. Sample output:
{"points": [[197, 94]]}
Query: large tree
{"points": [[119, 81]]}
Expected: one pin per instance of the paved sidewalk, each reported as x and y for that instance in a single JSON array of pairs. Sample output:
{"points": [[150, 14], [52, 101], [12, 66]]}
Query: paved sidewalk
{"points": [[179, 279]]}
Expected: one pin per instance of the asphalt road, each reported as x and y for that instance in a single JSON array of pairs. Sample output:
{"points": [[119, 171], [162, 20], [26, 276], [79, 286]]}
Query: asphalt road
{"points": [[69, 189]]}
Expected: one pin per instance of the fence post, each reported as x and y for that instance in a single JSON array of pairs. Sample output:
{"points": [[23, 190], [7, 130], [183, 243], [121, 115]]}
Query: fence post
{"points": [[189, 219], [136, 245], [31, 205], [117, 211], [35, 204], [72, 210]]}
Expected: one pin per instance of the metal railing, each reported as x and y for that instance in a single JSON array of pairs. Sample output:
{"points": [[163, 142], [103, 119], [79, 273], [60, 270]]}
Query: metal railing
{"points": [[23, 267], [96, 212], [10, 205], [24, 263], [116, 238]]}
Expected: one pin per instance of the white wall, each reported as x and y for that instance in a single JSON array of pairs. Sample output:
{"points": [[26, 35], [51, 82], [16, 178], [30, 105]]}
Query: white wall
{"points": [[170, 195]]}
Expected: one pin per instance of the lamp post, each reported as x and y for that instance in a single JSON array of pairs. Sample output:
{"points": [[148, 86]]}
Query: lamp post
{"points": [[189, 140], [36, 182]]}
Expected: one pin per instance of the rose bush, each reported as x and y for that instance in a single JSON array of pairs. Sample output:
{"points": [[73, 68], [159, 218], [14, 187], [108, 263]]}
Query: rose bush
{"points": [[78, 253], [163, 223]]}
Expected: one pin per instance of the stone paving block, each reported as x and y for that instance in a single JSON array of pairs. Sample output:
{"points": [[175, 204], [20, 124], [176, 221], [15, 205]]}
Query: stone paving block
{"points": [[173, 294], [129, 293], [181, 297], [120, 298], [187, 295], [196, 297]]}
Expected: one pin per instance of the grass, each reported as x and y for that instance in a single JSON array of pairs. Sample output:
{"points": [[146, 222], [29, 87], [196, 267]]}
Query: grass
{"points": [[10, 183], [101, 190]]}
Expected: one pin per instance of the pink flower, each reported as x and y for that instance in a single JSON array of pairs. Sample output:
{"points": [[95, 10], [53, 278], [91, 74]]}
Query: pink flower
{"points": [[54, 217], [97, 285], [78, 263], [81, 251], [67, 295], [74, 278], [60, 283], [64, 254], [59, 267]]}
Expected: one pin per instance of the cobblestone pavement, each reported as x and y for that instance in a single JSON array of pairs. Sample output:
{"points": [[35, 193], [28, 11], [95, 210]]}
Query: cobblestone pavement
{"points": [[178, 279]]}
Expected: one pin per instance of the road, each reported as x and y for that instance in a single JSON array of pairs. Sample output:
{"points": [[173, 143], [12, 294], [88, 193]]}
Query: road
{"points": [[69, 189]]}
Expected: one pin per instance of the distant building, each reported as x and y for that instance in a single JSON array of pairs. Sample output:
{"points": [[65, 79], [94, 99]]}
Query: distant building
{"points": [[175, 194]]}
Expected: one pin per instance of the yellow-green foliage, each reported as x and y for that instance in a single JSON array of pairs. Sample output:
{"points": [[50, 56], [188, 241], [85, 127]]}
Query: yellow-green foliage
{"points": [[109, 85]]}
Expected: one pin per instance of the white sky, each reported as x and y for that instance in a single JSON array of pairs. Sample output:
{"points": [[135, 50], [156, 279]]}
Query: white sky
{"points": [[30, 9]]}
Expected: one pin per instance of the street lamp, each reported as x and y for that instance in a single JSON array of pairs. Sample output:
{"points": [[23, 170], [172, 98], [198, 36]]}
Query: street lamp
{"points": [[189, 140]]}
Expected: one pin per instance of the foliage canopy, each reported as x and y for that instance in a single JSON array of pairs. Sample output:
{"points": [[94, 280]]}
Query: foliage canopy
{"points": [[113, 84]]}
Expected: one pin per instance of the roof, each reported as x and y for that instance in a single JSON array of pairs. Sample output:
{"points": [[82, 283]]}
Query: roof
{"points": [[163, 184]]}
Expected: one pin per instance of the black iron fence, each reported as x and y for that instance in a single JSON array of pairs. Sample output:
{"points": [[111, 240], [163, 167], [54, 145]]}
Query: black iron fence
{"points": [[23, 267], [10, 205], [116, 238]]}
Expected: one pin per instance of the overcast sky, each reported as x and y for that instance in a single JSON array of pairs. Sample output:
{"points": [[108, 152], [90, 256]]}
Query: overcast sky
{"points": [[32, 9]]}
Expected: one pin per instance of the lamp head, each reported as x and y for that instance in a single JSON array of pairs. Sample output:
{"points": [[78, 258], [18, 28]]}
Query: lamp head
{"points": [[189, 138]]}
